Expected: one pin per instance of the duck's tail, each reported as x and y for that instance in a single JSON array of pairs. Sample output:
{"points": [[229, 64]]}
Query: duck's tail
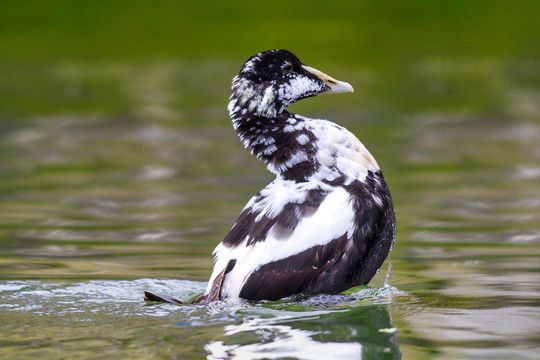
{"points": [[213, 295], [156, 297]]}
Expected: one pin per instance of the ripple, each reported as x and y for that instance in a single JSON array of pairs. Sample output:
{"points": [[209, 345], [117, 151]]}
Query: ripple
{"points": [[112, 297]]}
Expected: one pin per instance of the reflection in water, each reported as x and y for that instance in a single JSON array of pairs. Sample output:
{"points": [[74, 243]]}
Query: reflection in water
{"points": [[280, 341], [349, 333]]}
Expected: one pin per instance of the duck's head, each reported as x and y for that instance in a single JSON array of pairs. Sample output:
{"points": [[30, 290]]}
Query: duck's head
{"points": [[272, 80]]}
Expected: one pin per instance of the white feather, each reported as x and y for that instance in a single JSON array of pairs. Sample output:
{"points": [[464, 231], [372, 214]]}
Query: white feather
{"points": [[340, 151]]}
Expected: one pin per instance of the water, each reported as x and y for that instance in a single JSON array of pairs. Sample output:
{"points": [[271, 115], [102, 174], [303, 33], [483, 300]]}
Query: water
{"points": [[97, 209], [107, 318], [120, 172]]}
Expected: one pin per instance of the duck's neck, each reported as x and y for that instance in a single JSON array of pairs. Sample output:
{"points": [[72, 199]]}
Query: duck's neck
{"points": [[281, 141]]}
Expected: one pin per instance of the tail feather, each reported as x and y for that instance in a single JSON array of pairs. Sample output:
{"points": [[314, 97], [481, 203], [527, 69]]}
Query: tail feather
{"points": [[213, 295], [157, 297]]}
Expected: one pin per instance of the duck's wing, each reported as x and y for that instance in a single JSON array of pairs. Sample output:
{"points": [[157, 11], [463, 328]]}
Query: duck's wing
{"points": [[291, 238], [284, 221], [341, 246], [266, 224]]}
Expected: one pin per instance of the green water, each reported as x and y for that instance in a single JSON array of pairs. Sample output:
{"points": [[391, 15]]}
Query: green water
{"points": [[120, 172]]}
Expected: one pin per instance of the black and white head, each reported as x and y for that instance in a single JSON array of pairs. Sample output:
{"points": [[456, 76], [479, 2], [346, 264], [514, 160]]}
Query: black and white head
{"points": [[272, 80]]}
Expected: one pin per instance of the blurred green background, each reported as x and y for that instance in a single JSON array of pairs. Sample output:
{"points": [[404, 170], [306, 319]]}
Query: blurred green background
{"points": [[405, 55]]}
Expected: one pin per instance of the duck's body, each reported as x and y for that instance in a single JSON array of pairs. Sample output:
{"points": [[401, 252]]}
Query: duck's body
{"points": [[326, 223]]}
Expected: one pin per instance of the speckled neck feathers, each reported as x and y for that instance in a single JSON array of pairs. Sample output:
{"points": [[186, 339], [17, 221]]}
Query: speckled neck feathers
{"points": [[293, 146], [283, 142]]}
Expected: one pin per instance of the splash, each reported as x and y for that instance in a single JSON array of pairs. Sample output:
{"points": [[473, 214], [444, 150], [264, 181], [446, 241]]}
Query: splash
{"points": [[388, 271]]}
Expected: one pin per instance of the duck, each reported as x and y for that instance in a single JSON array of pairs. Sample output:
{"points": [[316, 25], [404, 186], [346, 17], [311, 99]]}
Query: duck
{"points": [[326, 223]]}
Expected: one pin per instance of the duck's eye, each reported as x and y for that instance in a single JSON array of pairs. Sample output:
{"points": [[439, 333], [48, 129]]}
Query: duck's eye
{"points": [[287, 68]]}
